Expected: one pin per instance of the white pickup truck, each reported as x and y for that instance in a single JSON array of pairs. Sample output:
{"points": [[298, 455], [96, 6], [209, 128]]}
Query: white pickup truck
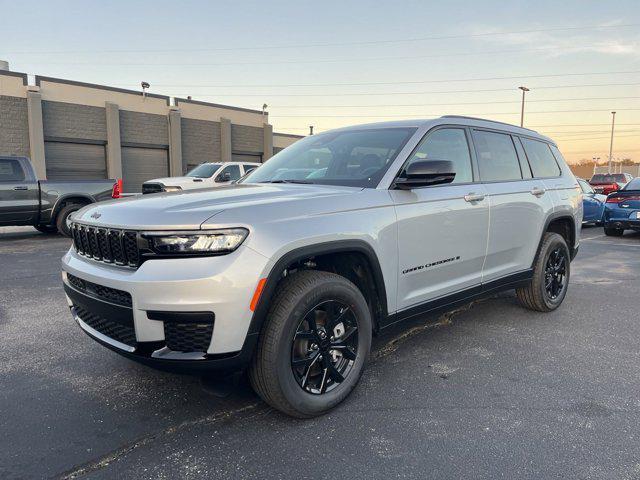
{"points": [[205, 175]]}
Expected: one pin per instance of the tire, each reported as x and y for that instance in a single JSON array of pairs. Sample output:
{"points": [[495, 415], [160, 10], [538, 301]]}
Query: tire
{"points": [[537, 295], [48, 229], [299, 297], [613, 232], [63, 215]]}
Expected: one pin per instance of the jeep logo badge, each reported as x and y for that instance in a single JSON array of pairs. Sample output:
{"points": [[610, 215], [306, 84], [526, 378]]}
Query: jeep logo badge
{"points": [[96, 215]]}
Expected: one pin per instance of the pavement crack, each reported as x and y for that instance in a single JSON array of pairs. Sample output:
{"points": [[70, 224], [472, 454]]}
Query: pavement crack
{"points": [[107, 459], [444, 320]]}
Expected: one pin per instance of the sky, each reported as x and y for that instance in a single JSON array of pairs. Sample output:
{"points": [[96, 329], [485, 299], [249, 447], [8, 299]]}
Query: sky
{"points": [[336, 63]]}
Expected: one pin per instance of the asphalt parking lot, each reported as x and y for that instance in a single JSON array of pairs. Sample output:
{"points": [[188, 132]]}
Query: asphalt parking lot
{"points": [[488, 391]]}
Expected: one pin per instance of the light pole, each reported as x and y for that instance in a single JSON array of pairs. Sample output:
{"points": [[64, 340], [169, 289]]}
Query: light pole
{"points": [[310, 129], [613, 124], [524, 90]]}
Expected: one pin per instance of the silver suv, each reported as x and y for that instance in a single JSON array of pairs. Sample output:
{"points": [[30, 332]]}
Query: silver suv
{"points": [[290, 272]]}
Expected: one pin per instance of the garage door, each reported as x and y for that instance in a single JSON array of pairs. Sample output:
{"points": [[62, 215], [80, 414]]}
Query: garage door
{"points": [[142, 164], [246, 157], [75, 161]]}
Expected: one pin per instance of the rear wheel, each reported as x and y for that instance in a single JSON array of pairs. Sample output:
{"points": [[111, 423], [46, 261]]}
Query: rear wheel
{"points": [[613, 232], [63, 216], [314, 345], [550, 281], [48, 229]]}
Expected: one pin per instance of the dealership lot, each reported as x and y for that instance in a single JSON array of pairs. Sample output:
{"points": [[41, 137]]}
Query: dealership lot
{"points": [[489, 390]]}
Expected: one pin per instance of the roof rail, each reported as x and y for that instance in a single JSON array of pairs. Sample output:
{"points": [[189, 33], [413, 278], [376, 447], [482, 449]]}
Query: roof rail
{"points": [[485, 120]]}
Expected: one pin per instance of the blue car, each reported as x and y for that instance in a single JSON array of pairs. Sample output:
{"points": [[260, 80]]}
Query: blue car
{"points": [[622, 210], [593, 204]]}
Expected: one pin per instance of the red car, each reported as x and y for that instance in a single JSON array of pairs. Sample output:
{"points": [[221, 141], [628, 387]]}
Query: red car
{"points": [[605, 183]]}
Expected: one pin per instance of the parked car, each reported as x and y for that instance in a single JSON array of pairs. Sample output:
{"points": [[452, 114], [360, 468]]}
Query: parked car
{"points": [[290, 277], [605, 183], [623, 210], [45, 204], [593, 204], [205, 175]]}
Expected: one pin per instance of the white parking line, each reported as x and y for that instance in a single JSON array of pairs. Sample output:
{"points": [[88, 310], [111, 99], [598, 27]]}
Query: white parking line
{"points": [[591, 238], [619, 244]]}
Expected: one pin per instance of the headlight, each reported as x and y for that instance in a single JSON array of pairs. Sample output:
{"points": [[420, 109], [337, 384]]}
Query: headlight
{"points": [[172, 189], [211, 241]]}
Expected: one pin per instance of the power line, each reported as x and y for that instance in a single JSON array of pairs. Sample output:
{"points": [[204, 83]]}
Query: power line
{"points": [[408, 82], [438, 114], [327, 60], [406, 93], [338, 44]]}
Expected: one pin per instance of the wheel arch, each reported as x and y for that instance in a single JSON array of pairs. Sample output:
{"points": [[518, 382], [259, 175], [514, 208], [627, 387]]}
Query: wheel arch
{"points": [[322, 250], [564, 225], [80, 198]]}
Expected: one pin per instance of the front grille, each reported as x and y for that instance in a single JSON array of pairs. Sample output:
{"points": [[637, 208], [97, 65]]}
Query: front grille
{"points": [[106, 244], [188, 337], [122, 333], [100, 291], [152, 188]]}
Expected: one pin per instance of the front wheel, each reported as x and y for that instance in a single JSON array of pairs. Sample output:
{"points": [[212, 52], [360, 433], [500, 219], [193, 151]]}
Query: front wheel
{"points": [[613, 232], [314, 345], [550, 281]]}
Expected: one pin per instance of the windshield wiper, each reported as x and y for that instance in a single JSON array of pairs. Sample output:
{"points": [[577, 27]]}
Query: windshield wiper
{"points": [[306, 182]]}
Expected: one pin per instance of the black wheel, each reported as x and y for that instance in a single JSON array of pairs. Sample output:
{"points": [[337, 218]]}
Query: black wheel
{"points": [[551, 271], [63, 215], [314, 345], [48, 229], [613, 232]]}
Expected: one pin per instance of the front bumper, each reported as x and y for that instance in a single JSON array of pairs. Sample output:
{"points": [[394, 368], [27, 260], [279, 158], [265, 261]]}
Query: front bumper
{"points": [[216, 290]]}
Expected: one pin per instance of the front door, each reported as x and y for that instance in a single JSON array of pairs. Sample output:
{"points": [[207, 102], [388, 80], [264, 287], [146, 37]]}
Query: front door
{"points": [[19, 195], [442, 230]]}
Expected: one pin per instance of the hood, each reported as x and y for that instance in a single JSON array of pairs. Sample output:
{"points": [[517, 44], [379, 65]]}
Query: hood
{"points": [[190, 209], [184, 182]]}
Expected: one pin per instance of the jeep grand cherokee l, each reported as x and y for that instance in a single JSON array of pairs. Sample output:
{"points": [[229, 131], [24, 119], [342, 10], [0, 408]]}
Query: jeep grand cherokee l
{"points": [[290, 272]]}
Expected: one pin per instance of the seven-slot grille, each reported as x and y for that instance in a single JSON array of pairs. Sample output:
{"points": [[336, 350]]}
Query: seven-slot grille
{"points": [[107, 244]]}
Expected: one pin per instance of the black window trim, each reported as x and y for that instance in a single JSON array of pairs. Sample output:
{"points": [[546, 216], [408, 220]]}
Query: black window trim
{"points": [[472, 157]]}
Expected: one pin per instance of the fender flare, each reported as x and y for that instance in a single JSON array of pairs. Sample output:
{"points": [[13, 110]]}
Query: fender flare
{"points": [[552, 218], [60, 200], [338, 246]]}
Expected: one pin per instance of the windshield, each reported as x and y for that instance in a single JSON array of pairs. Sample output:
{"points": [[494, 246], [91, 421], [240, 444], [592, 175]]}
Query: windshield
{"points": [[356, 158], [204, 170], [608, 178], [633, 184]]}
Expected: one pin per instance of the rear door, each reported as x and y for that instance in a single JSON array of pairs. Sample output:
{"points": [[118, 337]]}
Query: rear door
{"points": [[19, 195], [442, 230], [519, 204]]}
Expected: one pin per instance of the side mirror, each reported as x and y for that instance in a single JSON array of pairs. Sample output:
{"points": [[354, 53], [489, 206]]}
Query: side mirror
{"points": [[425, 173], [224, 177]]}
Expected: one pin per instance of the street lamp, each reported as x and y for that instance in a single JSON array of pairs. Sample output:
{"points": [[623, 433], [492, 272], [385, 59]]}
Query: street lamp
{"points": [[613, 123], [524, 90]]}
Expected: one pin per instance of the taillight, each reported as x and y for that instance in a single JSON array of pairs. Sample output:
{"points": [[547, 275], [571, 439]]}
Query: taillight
{"points": [[116, 192], [615, 199]]}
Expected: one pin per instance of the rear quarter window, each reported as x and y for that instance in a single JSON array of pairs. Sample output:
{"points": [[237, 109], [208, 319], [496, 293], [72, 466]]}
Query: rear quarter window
{"points": [[543, 163]]}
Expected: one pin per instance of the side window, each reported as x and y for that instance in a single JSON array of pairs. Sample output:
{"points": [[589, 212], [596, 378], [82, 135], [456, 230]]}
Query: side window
{"points": [[248, 168], [497, 159], [11, 171], [542, 161], [232, 170], [447, 144]]}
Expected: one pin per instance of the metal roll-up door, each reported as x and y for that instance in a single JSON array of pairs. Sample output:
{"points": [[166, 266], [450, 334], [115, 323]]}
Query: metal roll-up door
{"points": [[142, 164], [246, 157], [75, 161]]}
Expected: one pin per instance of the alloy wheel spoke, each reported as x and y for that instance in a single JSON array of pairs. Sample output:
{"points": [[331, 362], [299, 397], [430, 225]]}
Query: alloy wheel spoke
{"points": [[301, 362], [334, 373]]}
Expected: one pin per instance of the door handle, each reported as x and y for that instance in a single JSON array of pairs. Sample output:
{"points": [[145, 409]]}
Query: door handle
{"points": [[21, 187], [537, 191], [474, 197]]}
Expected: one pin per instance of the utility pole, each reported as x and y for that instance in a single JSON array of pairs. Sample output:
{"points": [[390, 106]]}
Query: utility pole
{"points": [[613, 124], [524, 90]]}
